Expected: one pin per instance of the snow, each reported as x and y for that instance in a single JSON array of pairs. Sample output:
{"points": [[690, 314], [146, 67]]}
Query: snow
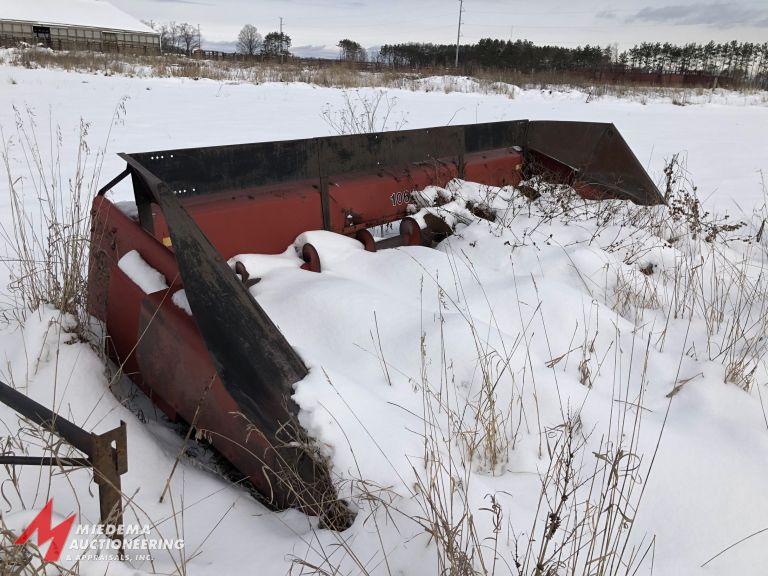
{"points": [[332, 248], [479, 294], [260, 265], [129, 208], [180, 299], [142, 274], [86, 13], [558, 307], [72, 379]]}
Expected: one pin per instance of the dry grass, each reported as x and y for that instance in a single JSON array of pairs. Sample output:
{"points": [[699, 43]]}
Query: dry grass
{"points": [[678, 263], [23, 560], [343, 75], [590, 492], [364, 114], [47, 242]]}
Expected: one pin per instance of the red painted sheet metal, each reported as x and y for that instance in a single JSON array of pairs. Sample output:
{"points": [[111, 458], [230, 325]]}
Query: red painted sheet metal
{"points": [[264, 219], [123, 327], [359, 201], [158, 344], [116, 234], [124, 298], [113, 297], [501, 167], [176, 365]]}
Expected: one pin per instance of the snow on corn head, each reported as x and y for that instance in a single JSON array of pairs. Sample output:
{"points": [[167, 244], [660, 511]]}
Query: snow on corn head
{"points": [[213, 358]]}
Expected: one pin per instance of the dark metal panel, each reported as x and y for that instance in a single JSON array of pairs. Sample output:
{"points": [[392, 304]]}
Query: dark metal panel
{"points": [[571, 143], [614, 168], [199, 171], [596, 150], [196, 171], [598, 154], [492, 135], [374, 152]]}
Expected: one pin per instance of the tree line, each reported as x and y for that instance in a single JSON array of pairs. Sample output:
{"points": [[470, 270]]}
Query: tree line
{"points": [[522, 55], [251, 43], [735, 60], [185, 38], [731, 59]]}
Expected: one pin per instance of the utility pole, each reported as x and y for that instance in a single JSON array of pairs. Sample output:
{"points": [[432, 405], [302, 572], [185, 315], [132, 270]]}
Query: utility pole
{"points": [[458, 34], [281, 39]]}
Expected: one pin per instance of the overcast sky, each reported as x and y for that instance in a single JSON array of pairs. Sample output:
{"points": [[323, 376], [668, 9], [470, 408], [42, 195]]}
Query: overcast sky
{"points": [[315, 27]]}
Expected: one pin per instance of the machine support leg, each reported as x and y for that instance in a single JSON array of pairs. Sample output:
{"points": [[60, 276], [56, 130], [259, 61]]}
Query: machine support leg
{"points": [[110, 461]]}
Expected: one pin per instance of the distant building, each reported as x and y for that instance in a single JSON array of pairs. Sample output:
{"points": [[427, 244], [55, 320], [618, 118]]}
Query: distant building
{"points": [[74, 25]]}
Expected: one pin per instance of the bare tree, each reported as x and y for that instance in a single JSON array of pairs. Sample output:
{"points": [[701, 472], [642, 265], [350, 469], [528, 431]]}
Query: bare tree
{"points": [[188, 37], [249, 41], [169, 37]]}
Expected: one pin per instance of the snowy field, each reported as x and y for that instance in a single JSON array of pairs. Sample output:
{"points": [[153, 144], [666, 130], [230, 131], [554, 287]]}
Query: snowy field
{"points": [[603, 325], [724, 140]]}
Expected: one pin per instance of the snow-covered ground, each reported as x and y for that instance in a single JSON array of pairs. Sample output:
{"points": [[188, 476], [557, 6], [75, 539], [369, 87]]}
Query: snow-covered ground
{"points": [[585, 317], [724, 140]]}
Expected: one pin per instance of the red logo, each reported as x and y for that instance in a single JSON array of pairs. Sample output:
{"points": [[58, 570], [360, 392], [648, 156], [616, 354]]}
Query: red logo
{"points": [[42, 525]]}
